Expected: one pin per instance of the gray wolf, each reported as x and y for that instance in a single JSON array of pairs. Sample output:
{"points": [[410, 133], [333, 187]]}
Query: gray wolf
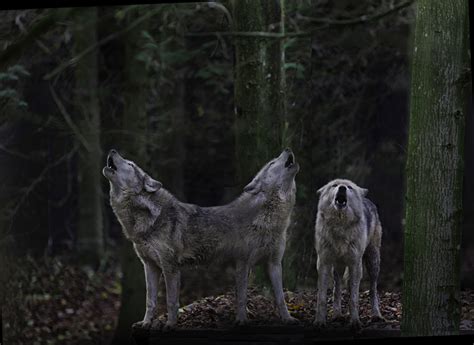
{"points": [[168, 234], [347, 232]]}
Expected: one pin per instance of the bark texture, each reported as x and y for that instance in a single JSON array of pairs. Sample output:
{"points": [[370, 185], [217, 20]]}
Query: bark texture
{"points": [[259, 90], [90, 229], [439, 95]]}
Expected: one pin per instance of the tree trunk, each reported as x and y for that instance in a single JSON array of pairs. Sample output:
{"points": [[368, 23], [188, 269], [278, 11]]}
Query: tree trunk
{"points": [[134, 144], [439, 95], [258, 102], [258, 97], [89, 232]]}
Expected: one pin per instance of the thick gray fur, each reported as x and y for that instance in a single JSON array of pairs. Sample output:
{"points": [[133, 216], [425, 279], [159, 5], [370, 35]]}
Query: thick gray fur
{"points": [[346, 235], [168, 234]]}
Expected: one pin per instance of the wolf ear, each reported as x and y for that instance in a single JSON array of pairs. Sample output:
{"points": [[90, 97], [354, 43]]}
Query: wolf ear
{"points": [[151, 185], [320, 190], [253, 187]]}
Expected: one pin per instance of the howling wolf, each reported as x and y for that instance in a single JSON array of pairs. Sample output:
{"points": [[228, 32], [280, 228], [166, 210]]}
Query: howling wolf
{"points": [[347, 232], [168, 234]]}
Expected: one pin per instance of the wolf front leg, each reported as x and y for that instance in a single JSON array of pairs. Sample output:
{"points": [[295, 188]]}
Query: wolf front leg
{"points": [[338, 273], [241, 280], [172, 281], [275, 274], [321, 304], [152, 275], [355, 275]]}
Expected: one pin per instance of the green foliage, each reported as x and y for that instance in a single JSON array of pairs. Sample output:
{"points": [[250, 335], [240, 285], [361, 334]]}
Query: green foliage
{"points": [[9, 96], [299, 68], [215, 75]]}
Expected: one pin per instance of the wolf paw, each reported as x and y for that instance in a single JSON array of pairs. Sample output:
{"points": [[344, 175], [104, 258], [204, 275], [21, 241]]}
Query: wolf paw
{"points": [[290, 320], [241, 322], [356, 326], [168, 326], [377, 318], [320, 325], [339, 318], [142, 325]]}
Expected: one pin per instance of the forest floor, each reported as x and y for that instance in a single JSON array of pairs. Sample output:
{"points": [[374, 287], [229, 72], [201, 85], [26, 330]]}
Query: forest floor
{"points": [[51, 302], [218, 312]]}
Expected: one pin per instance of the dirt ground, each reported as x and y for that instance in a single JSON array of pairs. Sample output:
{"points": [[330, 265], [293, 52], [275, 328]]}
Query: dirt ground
{"points": [[54, 302]]}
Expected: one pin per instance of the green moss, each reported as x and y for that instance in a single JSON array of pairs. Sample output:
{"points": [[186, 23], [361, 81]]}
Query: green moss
{"points": [[434, 171]]}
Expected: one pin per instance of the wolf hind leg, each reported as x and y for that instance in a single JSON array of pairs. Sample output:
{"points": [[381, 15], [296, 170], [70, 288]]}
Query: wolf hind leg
{"points": [[241, 280]]}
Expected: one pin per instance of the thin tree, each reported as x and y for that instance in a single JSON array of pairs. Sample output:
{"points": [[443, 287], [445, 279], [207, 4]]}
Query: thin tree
{"points": [[90, 228], [134, 143], [258, 94], [439, 95]]}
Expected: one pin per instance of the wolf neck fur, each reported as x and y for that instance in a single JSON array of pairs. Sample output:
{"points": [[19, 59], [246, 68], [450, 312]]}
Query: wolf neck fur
{"points": [[129, 206], [347, 217]]}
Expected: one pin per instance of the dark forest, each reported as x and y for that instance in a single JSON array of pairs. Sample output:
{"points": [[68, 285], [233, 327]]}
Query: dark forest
{"points": [[201, 96]]}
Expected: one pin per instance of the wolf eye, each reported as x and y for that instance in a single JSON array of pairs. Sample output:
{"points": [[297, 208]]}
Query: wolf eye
{"points": [[350, 187], [130, 164], [334, 186]]}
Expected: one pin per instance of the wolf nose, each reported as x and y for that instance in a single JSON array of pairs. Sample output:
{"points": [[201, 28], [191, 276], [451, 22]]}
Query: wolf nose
{"points": [[342, 189], [287, 149], [111, 152]]}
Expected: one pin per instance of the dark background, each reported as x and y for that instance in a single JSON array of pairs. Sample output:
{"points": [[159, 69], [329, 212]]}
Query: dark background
{"points": [[347, 111]]}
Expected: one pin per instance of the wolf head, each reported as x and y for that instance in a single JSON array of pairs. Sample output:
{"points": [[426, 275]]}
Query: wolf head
{"points": [[341, 196], [127, 177], [277, 175]]}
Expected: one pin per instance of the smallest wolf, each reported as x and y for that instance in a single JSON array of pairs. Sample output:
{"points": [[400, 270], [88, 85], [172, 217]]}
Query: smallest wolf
{"points": [[347, 232]]}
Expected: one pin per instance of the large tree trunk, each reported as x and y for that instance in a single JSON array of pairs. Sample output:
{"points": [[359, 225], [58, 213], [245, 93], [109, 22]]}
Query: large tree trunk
{"points": [[89, 232], [439, 91], [134, 144], [259, 101]]}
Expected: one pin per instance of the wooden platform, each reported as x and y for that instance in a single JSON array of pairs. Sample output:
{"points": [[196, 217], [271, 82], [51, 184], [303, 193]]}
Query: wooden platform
{"points": [[263, 335], [257, 335]]}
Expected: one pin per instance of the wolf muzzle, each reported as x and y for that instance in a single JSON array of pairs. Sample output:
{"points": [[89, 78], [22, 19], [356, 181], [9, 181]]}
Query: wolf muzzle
{"points": [[341, 197], [290, 161], [110, 160]]}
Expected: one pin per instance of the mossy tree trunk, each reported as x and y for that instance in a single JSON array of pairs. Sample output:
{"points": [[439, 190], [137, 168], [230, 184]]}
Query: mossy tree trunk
{"points": [[439, 95], [258, 94], [90, 239], [134, 147], [258, 102]]}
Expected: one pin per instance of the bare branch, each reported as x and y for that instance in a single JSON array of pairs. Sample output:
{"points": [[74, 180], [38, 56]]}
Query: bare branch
{"points": [[327, 22], [260, 34], [222, 8], [69, 121], [28, 190], [13, 152], [14, 51], [359, 20], [103, 41], [23, 30]]}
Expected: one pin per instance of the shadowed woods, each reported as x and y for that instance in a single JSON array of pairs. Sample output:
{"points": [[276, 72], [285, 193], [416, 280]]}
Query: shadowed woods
{"points": [[201, 96]]}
